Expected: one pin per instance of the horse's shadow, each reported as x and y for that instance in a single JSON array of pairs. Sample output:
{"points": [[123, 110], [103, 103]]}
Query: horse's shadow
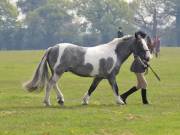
{"points": [[64, 107]]}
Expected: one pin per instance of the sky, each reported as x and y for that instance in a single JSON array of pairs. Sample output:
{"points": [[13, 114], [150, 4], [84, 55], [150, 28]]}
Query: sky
{"points": [[13, 1], [128, 1]]}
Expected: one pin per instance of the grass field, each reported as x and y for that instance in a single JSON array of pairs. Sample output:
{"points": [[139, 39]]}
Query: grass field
{"points": [[22, 113]]}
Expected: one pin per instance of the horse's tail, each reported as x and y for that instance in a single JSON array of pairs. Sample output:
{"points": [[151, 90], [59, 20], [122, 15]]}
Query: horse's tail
{"points": [[40, 77]]}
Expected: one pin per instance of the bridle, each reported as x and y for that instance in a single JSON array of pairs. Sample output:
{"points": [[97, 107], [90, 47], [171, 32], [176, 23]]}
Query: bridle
{"points": [[147, 50]]}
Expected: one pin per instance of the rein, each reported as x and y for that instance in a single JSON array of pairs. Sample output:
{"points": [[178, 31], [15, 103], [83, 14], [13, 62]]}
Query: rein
{"points": [[154, 73], [149, 66], [146, 50]]}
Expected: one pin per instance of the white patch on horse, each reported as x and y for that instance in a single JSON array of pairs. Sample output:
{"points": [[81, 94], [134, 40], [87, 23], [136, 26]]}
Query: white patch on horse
{"points": [[94, 54], [148, 53]]}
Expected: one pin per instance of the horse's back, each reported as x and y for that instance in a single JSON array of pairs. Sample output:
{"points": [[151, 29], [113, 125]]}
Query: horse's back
{"points": [[85, 61], [69, 57]]}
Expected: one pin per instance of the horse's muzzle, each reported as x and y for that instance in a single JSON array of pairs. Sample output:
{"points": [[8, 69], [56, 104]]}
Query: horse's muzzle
{"points": [[147, 59]]}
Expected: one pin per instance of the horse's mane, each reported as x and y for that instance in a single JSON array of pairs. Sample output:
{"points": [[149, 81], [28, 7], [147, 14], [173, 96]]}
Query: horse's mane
{"points": [[115, 41], [119, 40]]}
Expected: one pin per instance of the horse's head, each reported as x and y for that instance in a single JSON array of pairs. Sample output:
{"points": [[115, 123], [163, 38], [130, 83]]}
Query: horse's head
{"points": [[150, 44], [141, 45]]}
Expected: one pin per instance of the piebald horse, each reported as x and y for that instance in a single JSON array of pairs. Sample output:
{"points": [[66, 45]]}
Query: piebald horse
{"points": [[100, 62]]}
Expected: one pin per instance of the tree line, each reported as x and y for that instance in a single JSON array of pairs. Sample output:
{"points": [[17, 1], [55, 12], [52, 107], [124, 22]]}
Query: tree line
{"points": [[84, 22]]}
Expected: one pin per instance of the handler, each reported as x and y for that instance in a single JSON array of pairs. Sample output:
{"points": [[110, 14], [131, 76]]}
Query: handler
{"points": [[120, 33], [139, 67]]}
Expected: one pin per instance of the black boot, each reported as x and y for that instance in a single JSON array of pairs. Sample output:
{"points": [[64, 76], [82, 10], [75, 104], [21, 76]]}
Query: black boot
{"points": [[144, 96], [127, 93]]}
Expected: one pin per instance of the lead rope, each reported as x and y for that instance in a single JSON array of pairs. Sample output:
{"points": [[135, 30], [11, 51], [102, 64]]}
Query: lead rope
{"points": [[148, 65]]}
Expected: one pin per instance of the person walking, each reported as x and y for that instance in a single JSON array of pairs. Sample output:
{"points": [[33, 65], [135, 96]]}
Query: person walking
{"points": [[157, 47], [120, 33], [139, 67]]}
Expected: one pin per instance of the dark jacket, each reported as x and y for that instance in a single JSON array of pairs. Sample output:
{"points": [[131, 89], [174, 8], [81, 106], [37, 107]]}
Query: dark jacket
{"points": [[140, 63], [120, 34]]}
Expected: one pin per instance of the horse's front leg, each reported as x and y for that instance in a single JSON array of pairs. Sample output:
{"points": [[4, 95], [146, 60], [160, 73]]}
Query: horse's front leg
{"points": [[93, 86], [112, 82]]}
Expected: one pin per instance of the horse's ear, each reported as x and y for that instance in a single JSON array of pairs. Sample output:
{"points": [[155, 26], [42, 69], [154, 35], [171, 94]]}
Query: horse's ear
{"points": [[149, 41], [150, 44], [137, 36]]}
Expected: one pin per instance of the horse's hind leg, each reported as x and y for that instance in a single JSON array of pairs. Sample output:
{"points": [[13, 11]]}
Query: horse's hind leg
{"points": [[51, 83], [60, 98], [93, 86]]}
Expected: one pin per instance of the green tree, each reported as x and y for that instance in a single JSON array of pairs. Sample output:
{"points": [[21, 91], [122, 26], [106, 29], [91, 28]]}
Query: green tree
{"points": [[177, 15], [8, 24], [103, 17], [153, 15], [50, 24], [30, 5], [157, 17]]}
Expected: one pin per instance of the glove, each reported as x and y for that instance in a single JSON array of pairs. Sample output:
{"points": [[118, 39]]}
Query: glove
{"points": [[146, 64]]}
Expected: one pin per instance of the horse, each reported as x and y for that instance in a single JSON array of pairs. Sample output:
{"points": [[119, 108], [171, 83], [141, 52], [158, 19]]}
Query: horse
{"points": [[99, 62]]}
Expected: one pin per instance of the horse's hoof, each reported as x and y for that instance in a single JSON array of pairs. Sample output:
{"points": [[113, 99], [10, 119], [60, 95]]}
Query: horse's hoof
{"points": [[46, 104], [120, 103], [84, 102], [61, 102], [146, 103]]}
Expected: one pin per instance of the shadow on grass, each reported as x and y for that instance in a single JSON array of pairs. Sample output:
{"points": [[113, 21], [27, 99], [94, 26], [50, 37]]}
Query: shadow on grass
{"points": [[65, 107]]}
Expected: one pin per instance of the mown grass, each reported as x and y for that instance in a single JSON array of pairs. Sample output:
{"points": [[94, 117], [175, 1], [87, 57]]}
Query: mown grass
{"points": [[22, 113]]}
